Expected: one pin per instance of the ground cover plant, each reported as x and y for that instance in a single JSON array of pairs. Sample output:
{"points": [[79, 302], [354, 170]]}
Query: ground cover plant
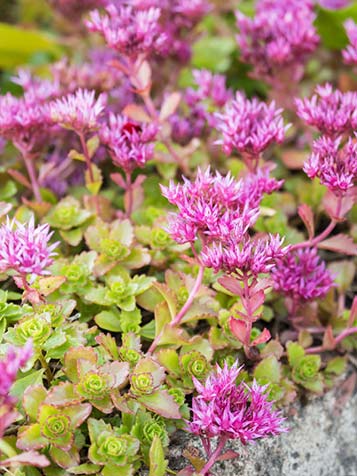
{"points": [[178, 230]]}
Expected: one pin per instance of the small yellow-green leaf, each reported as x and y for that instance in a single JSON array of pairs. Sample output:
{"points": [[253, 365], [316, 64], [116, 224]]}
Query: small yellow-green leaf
{"points": [[94, 184]]}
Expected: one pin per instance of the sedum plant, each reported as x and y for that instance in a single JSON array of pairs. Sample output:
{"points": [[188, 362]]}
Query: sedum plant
{"points": [[177, 230]]}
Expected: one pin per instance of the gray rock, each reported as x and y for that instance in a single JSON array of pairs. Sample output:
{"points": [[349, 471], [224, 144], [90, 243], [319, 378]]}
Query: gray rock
{"points": [[321, 442]]}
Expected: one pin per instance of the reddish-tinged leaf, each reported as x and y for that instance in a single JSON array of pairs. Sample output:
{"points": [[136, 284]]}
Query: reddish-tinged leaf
{"points": [[340, 244], [230, 454], [264, 337], [50, 284], [63, 394], [29, 458], [118, 179], [256, 301], [65, 459], [231, 284], [307, 216], [170, 105], [239, 330], [334, 208], [137, 113], [162, 403]]}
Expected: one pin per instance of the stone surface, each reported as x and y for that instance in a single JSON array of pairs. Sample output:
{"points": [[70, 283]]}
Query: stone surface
{"points": [[321, 442]]}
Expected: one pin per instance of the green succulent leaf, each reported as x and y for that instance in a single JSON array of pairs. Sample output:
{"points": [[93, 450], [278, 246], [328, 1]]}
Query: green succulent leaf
{"points": [[158, 464]]}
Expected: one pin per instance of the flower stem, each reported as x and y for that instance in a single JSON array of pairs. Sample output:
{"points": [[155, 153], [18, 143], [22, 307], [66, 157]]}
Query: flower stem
{"points": [[89, 166], [30, 167], [177, 319], [338, 339], [214, 456], [129, 190], [315, 241]]}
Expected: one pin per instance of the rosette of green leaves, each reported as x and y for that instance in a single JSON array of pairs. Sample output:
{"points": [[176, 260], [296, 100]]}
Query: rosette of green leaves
{"points": [[10, 312], [120, 289], [193, 365], [162, 248], [78, 272], [130, 350], [111, 448], [145, 428], [305, 368], [146, 382], [114, 244], [69, 219], [37, 327], [53, 426], [97, 384], [49, 330]]}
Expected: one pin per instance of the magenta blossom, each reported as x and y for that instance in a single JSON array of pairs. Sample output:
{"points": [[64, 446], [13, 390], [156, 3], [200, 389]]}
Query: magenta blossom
{"points": [[129, 31], [210, 208], [335, 166], [79, 111], [15, 359], [334, 4], [331, 112], [279, 39], [350, 52], [25, 121], [230, 411], [25, 249], [251, 257], [129, 143], [302, 275], [250, 126]]}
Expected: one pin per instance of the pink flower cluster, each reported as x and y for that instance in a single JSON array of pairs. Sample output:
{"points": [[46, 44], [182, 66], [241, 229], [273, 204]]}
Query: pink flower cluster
{"points": [[250, 257], [79, 111], [26, 120], [210, 94], [129, 143], [279, 39], [25, 249], [227, 410], [250, 126], [333, 164], [14, 359], [210, 208], [302, 275], [129, 31], [330, 111], [350, 52]]}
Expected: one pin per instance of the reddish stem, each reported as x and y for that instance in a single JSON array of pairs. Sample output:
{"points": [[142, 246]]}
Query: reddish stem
{"points": [[30, 166], [214, 456], [338, 339], [129, 190], [88, 160]]}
